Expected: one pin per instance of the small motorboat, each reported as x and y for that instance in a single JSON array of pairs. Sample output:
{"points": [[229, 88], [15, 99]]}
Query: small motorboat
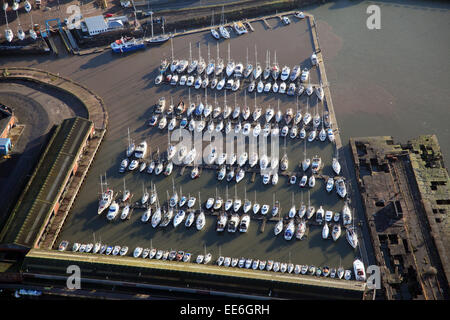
{"points": [[190, 219], [159, 254], [336, 166], [286, 20], [27, 6], [297, 269], [352, 238], [278, 227], [215, 34], [285, 73], [336, 232], [276, 267], [340, 187], [262, 264], [275, 87], [332, 273], [200, 258], [340, 272], [187, 257], [301, 229], [207, 258], [289, 232], [312, 136], [346, 215], [146, 216], [328, 215], [123, 251], [303, 181], [348, 275], [330, 134], [116, 250], [312, 181], [260, 86], [244, 223], [125, 212], [145, 253], [290, 267], [159, 79], [330, 184], [304, 269], [325, 231]]}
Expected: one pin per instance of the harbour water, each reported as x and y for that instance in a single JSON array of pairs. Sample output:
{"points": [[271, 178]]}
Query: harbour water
{"points": [[383, 82]]}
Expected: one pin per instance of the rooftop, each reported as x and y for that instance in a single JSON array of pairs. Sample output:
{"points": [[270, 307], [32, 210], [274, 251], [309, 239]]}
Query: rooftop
{"points": [[5, 115]]}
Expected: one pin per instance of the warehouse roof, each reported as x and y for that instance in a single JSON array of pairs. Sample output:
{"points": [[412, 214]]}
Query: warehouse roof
{"points": [[96, 24]]}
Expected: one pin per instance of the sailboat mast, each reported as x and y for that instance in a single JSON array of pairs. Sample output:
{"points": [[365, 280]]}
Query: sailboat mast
{"points": [[190, 53], [151, 17], [209, 54], [101, 184], [171, 45], [218, 58], [247, 55], [6, 18]]}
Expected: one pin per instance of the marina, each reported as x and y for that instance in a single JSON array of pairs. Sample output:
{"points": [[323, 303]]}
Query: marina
{"points": [[260, 237]]}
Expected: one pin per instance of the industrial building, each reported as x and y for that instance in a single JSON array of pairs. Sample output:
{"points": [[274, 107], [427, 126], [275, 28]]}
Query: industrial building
{"points": [[7, 120], [98, 24], [95, 25], [41, 197]]}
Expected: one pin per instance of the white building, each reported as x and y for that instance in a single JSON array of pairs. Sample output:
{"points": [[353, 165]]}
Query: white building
{"points": [[95, 25]]}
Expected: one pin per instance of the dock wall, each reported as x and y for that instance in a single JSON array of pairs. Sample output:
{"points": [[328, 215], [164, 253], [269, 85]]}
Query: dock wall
{"points": [[139, 272]]}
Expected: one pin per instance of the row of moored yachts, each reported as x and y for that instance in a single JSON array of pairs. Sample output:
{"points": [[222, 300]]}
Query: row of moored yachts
{"points": [[272, 79], [294, 125], [247, 263]]}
